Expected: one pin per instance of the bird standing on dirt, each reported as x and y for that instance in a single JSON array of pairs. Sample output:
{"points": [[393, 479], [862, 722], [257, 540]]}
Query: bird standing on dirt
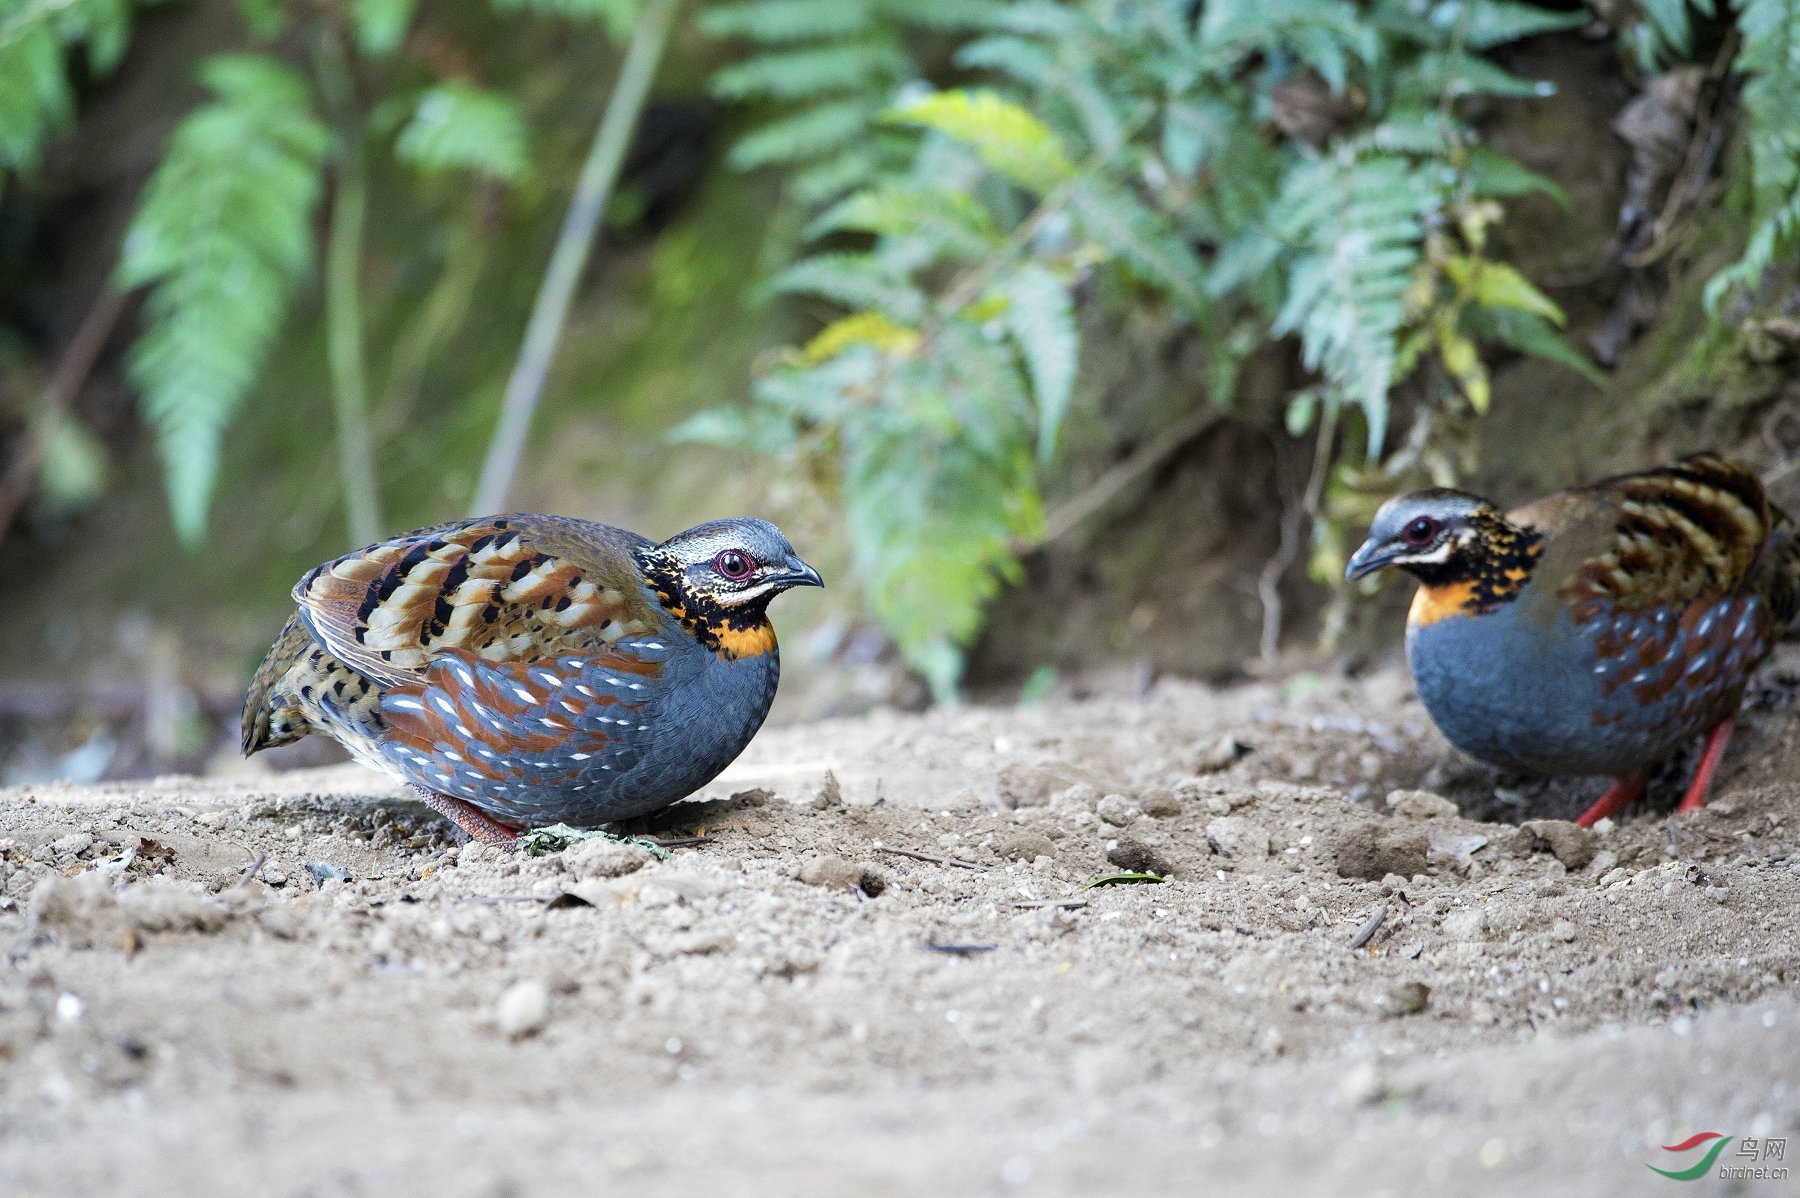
{"points": [[1595, 631], [521, 670]]}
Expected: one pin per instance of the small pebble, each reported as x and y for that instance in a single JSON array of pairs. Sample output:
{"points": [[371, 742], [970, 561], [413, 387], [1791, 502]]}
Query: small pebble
{"points": [[601, 858], [835, 873], [1563, 930], [1159, 802], [522, 1009], [1421, 804], [1025, 846], [72, 845], [1134, 856], [1116, 810], [1571, 844]]}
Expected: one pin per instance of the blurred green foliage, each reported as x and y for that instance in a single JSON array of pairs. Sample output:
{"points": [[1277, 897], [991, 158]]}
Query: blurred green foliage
{"points": [[964, 173], [1135, 139]]}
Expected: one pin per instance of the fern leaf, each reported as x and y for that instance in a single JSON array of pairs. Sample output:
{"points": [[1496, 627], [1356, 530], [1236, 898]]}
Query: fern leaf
{"points": [[859, 328], [855, 281], [1494, 174], [1455, 74], [1040, 318], [776, 21], [1774, 237], [812, 71], [945, 16], [380, 25], [1322, 33], [1493, 23], [1025, 60], [458, 126], [805, 134], [1499, 285], [1531, 334], [35, 97], [1360, 221], [1770, 56], [222, 234], [1141, 240], [956, 222], [853, 167], [1664, 33], [1015, 144]]}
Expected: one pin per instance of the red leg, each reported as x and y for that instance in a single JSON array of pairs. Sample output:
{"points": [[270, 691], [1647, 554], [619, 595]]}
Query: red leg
{"points": [[473, 822], [1620, 795], [1716, 740]]}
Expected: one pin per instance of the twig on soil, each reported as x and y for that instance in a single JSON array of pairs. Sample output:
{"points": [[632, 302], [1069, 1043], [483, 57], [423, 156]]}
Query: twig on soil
{"points": [[1067, 904], [494, 900], [682, 842], [960, 950], [931, 857], [250, 874], [1367, 932]]}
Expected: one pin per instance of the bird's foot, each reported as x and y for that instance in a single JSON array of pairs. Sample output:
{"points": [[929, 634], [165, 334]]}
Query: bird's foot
{"points": [[1620, 795], [1716, 740], [540, 842], [470, 820]]}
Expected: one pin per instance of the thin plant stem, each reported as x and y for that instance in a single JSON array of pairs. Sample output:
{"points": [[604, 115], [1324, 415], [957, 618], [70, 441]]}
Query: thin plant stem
{"points": [[343, 300], [569, 257]]}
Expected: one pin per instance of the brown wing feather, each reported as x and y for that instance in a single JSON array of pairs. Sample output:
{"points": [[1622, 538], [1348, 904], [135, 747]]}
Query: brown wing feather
{"points": [[505, 589], [1688, 531]]}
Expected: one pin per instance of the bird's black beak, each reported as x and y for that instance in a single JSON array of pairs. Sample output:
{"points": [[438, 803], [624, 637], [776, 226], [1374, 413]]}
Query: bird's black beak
{"points": [[1371, 557], [798, 574]]}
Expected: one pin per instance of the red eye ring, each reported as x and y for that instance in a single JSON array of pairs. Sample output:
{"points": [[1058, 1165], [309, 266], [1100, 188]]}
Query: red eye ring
{"points": [[735, 564], [1420, 532]]}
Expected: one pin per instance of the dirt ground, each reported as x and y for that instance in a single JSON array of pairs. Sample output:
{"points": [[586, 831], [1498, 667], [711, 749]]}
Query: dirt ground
{"points": [[787, 1008]]}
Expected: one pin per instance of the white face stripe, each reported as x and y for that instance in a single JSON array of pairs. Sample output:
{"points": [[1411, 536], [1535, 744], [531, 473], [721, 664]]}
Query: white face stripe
{"points": [[735, 598]]}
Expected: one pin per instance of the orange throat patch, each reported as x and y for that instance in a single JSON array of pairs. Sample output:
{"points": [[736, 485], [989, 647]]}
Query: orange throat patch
{"points": [[1434, 603], [735, 643]]}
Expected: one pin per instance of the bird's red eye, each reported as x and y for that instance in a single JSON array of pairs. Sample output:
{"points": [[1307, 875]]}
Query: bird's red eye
{"points": [[735, 565], [1419, 533]]}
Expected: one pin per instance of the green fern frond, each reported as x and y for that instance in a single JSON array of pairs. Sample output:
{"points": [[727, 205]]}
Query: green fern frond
{"points": [[1493, 23], [1457, 74], [1143, 242], [1770, 56], [1040, 319], [1325, 34], [222, 234], [35, 96], [776, 21], [456, 126], [1664, 32], [1775, 237], [855, 281], [1015, 144], [812, 71], [380, 25], [958, 225], [1358, 222], [1027, 61], [806, 134], [1496, 175]]}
